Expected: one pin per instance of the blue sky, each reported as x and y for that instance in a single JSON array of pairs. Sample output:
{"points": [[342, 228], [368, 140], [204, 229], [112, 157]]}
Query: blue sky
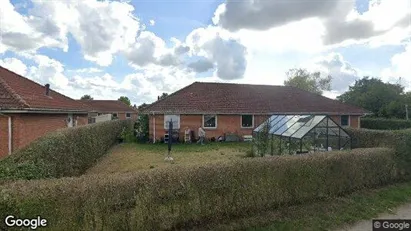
{"points": [[143, 48]]}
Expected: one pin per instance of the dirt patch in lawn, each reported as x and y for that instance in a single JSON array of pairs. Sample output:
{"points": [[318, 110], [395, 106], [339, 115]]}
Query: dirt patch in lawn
{"points": [[135, 157]]}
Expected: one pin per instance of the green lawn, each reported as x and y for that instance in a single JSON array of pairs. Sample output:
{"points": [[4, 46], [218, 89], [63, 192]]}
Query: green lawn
{"points": [[134, 157]]}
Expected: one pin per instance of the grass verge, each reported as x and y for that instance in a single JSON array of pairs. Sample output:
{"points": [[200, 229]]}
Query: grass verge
{"points": [[331, 214]]}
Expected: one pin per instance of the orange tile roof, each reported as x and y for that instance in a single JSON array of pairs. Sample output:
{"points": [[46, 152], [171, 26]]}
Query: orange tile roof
{"points": [[228, 98], [108, 106], [20, 93]]}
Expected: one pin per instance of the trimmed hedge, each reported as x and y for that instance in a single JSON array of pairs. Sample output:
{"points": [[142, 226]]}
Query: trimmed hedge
{"points": [[399, 140], [384, 124], [181, 197], [66, 152]]}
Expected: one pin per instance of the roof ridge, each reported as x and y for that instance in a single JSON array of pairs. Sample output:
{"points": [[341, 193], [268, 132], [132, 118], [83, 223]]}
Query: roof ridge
{"points": [[246, 84], [12, 92], [32, 81], [174, 93]]}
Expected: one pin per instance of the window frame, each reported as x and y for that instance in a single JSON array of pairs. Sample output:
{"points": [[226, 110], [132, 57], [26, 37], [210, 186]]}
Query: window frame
{"points": [[252, 121], [216, 121], [128, 117], [178, 121], [348, 120]]}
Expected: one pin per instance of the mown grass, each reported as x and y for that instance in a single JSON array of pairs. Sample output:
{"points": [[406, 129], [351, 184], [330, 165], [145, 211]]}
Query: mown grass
{"points": [[333, 214], [134, 157]]}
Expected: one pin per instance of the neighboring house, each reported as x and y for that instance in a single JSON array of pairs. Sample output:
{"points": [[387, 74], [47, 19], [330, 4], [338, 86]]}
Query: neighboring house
{"points": [[222, 108], [116, 108], [29, 110]]}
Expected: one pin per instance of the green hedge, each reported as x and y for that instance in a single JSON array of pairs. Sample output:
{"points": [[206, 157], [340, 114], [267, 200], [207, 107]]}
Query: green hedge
{"points": [[384, 124], [180, 197], [67, 152], [399, 140]]}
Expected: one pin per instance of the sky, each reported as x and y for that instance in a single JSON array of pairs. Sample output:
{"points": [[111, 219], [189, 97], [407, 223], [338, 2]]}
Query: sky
{"points": [[142, 48]]}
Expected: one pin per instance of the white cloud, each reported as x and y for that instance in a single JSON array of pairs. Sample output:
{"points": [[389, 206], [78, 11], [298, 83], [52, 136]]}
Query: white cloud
{"points": [[48, 71], [341, 71], [101, 28], [151, 49], [15, 65], [219, 48], [333, 22], [87, 70], [400, 67], [152, 22]]}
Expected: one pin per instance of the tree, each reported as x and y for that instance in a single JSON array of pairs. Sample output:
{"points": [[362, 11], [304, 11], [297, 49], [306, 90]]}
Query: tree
{"points": [[164, 95], [86, 97], [142, 106], [312, 82], [125, 100], [382, 99]]}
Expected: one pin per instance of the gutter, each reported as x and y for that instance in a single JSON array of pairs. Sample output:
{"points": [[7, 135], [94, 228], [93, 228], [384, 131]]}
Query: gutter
{"points": [[47, 111], [246, 113], [9, 132]]}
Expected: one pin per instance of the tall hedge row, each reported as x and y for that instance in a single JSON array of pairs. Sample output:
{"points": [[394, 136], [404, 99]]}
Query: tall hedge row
{"points": [[384, 124], [177, 198], [67, 152], [399, 140]]}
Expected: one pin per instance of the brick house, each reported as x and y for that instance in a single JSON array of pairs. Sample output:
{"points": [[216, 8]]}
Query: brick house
{"points": [[116, 108], [222, 108], [29, 110]]}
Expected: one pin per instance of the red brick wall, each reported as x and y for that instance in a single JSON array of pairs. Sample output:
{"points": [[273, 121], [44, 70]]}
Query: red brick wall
{"points": [[28, 127], [354, 120], [225, 124], [4, 136], [122, 115]]}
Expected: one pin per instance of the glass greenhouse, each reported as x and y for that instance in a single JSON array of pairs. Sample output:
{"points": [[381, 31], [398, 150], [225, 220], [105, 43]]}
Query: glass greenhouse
{"points": [[296, 134]]}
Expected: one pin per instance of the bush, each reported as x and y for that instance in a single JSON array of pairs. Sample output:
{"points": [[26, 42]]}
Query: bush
{"points": [[67, 152], [399, 140], [161, 199], [385, 124]]}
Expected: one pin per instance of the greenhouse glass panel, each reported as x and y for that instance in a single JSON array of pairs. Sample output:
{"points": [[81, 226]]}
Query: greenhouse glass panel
{"points": [[270, 121], [307, 127], [283, 125], [299, 124], [282, 120], [287, 125]]}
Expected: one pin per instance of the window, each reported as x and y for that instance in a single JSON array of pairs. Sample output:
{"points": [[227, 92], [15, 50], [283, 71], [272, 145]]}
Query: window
{"points": [[345, 120], [174, 118], [114, 115], [247, 121], [128, 115], [210, 121]]}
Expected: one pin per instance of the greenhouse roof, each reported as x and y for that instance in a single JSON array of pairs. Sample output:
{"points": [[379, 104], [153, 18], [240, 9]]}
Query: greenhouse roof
{"points": [[297, 126]]}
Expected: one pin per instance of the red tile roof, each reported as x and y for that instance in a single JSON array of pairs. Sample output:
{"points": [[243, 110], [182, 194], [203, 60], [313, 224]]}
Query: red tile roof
{"points": [[20, 93], [108, 106], [228, 98]]}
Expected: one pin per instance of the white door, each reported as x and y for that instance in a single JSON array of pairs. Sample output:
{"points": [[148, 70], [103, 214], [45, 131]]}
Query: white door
{"points": [[70, 122]]}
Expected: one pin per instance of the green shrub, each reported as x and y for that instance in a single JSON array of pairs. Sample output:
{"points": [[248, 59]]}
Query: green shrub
{"points": [[161, 199], [67, 152], [385, 124], [399, 140]]}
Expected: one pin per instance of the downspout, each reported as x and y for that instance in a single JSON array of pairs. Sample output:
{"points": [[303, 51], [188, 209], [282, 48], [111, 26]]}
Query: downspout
{"points": [[9, 131], [154, 128], [10, 140]]}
